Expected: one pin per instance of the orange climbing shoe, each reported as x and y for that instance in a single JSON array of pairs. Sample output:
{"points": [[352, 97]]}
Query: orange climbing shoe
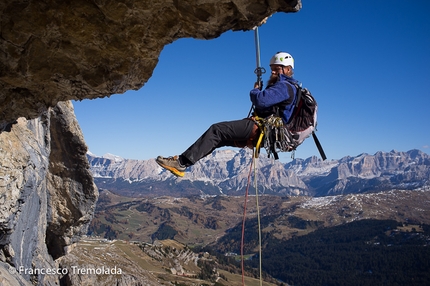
{"points": [[172, 164]]}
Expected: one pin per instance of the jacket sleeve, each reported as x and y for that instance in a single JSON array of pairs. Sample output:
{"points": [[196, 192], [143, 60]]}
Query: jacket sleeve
{"points": [[272, 95]]}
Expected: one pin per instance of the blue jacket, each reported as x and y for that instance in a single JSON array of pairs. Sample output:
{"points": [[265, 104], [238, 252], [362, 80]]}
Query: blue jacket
{"points": [[283, 91]]}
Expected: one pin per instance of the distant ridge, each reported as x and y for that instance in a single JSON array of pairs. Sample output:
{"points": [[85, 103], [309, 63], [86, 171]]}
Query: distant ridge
{"points": [[226, 171]]}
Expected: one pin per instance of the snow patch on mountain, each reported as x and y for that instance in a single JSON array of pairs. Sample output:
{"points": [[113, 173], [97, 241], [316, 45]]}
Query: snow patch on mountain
{"points": [[113, 157], [319, 202]]}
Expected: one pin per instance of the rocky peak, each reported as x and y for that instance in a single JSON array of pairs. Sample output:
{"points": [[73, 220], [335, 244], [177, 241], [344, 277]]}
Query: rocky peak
{"points": [[226, 172]]}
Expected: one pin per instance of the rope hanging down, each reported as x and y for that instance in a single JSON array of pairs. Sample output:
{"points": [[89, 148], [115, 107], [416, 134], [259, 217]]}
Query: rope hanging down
{"points": [[259, 71], [260, 265], [243, 225], [253, 163]]}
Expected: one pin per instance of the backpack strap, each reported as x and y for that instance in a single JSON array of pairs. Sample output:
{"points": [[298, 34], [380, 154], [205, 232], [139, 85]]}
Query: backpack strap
{"points": [[320, 149], [296, 105], [299, 95]]}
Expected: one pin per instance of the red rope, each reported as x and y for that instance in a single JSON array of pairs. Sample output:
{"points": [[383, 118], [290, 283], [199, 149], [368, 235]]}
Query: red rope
{"points": [[243, 221]]}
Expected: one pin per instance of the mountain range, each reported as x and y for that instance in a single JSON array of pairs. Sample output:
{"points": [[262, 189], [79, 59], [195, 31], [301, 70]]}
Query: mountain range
{"points": [[369, 210], [228, 172]]}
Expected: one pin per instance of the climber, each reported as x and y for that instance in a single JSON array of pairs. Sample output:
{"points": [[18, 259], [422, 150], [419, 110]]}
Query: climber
{"points": [[280, 92]]}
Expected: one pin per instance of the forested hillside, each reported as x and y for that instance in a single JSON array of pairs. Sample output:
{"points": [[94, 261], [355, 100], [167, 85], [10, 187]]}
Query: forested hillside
{"points": [[366, 252]]}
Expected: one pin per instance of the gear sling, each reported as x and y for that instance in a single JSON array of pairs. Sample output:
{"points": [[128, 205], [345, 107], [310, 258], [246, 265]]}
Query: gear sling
{"points": [[277, 136]]}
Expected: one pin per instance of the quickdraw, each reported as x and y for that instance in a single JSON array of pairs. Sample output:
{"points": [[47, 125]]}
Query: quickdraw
{"points": [[274, 136]]}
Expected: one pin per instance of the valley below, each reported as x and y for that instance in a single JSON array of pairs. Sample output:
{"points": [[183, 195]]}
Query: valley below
{"points": [[208, 229], [361, 220], [202, 220]]}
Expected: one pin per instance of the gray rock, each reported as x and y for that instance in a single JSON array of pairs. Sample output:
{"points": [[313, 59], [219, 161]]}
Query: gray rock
{"points": [[47, 192]]}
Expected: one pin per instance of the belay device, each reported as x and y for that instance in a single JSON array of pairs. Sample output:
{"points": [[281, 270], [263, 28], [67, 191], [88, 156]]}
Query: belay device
{"points": [[259, 71]]}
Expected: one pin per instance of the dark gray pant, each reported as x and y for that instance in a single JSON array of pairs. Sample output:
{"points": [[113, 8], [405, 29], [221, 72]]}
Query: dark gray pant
{"points": [[229, 133]]}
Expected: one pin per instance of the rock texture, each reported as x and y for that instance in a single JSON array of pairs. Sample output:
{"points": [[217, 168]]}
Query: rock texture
{"points": [[71, 190], [55, 51], [47, 192]]}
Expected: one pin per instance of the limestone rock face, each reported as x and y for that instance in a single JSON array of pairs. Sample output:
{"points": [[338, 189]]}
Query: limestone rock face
{"points": [[71, 189], [24, 164], [46, 190], [55, 51]]}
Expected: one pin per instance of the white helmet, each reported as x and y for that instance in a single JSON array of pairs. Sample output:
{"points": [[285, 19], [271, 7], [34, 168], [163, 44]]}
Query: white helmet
{"points": [[283, 59]]}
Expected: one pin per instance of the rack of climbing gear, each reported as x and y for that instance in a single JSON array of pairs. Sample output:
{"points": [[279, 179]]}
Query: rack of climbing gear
{"points": [[274, 137], [278, 136]]}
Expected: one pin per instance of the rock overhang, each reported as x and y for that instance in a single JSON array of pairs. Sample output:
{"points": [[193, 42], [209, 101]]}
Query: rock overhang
{"points": [[53, 51]]}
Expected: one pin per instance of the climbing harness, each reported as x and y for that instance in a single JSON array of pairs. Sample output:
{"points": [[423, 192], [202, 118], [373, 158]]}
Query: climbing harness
{"points": [[274, 137], [278, 136]]}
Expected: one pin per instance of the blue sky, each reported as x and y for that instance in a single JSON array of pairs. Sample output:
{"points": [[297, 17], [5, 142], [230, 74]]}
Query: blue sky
{"points": [[368, 66]]}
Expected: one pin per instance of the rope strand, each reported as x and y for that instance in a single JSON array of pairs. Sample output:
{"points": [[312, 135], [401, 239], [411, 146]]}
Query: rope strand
{"points": [[258, 220], [253, 163], [243, 224]]}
